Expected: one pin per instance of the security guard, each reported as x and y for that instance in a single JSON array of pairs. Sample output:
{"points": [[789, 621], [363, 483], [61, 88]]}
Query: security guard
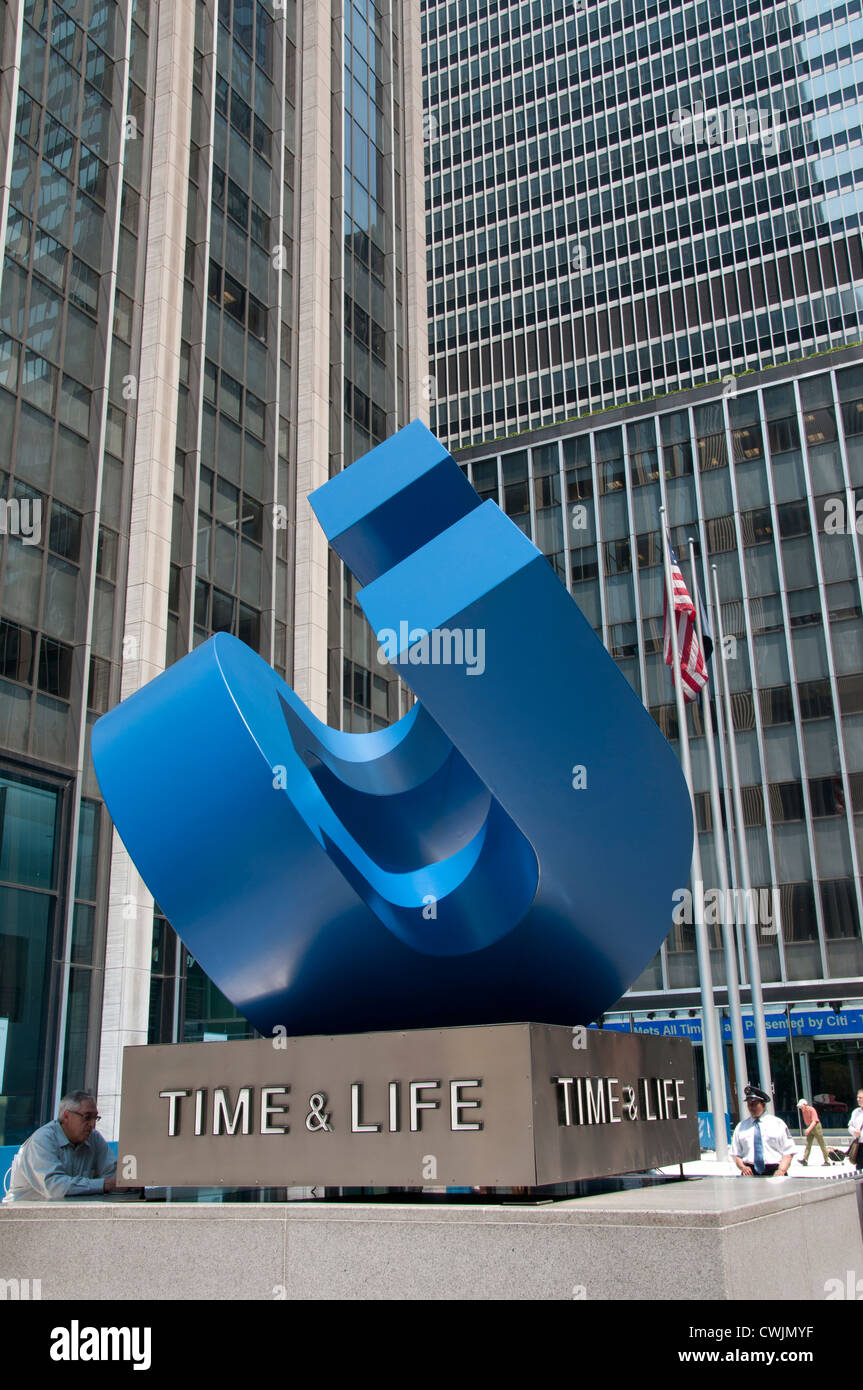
{"points": [[761, 1145]]}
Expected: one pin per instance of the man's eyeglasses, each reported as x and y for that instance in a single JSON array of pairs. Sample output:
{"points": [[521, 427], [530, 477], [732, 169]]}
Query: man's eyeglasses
{"points": [[90, 1115]]}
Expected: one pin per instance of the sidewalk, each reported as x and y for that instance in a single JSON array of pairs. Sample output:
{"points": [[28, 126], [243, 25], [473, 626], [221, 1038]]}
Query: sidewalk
{"points": [[707, 1167]]}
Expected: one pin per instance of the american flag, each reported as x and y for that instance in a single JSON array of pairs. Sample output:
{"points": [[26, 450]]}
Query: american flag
{"points": [[693, 666]]}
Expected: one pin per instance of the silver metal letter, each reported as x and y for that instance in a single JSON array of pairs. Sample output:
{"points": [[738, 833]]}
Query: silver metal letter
{"points": [[565, 1082], [578, 1080], [613, 1099], [595, 1101], [417, 1105], [173, 1114], [681, 1113], [267, 1110], [357, 1127], [644, 1082], [220, 1111], [456, 1105], [394, 1107]]}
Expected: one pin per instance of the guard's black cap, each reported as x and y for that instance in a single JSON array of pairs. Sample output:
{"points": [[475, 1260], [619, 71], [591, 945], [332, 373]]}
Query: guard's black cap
{"points": [[756, 1093]]}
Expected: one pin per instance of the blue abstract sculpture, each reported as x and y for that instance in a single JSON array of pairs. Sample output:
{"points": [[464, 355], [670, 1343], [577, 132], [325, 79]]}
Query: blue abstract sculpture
{"points": [[508, 851]]}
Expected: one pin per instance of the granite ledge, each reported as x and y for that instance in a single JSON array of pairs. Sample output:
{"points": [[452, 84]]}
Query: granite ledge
{"points": [[705, 1203]]}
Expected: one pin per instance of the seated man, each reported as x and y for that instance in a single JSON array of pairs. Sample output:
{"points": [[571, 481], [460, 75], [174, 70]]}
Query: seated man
{"points": [[65, 1158]]}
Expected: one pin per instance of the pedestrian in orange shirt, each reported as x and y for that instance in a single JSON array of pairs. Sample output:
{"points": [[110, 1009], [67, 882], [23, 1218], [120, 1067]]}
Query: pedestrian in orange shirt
{"points": [[813, 1131]]}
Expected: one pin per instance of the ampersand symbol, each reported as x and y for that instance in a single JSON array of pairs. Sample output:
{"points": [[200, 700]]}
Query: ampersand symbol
{"points": [[317, 1119], [630, 1107]]}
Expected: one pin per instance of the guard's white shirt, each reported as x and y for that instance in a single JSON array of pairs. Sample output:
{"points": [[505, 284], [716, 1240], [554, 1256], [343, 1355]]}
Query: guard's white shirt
{"points": [[775, 1137], [855, 1124]]}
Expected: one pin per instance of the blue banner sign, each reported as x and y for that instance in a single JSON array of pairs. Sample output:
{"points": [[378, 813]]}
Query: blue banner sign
{"points": [[805, 1023]]}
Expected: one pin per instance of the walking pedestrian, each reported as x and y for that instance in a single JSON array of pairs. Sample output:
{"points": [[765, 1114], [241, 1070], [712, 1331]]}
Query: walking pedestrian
{"points": [[812, 1130]]}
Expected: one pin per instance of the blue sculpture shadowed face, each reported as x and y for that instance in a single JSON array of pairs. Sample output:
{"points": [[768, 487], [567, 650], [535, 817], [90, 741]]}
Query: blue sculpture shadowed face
{"points": [[508, 851]]}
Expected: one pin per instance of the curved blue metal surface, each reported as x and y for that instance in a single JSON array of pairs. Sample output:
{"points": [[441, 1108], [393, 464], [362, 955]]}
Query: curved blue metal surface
{"points": [[508, 851]]}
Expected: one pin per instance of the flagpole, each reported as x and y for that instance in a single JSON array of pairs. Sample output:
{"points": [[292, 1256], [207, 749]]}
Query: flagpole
{"points": [[730, 819], [713, 1068], [738, 1045], [764, 1078], [728, 803]]}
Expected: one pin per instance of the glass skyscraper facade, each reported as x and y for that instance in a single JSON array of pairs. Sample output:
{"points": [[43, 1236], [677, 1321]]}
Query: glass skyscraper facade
{"points": [[625, 198], [212, 297]]}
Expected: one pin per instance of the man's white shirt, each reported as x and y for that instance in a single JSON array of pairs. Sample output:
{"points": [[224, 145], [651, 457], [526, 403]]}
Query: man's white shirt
{"points": [[775, 1137], [49, 1166]]}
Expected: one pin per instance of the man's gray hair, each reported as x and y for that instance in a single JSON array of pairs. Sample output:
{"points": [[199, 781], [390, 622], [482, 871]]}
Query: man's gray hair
{"points": [[74, 1100]]}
